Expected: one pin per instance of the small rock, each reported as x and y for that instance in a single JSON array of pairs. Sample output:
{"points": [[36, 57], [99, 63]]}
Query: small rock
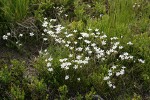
{"points": [[97, 97]]}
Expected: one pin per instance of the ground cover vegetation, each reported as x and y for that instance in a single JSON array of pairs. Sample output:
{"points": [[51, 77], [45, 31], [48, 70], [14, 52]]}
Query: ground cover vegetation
{"points": [[75, 49]]}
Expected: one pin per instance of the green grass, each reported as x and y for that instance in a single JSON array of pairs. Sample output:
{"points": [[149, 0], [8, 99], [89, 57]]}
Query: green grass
{"points": [[15, 10]]}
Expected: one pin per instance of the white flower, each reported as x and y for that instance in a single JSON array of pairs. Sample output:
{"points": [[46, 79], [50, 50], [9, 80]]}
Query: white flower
{"points": [[104, 36], [67, 45], [78, 79], [50, 69], [120, 47], [113, 67], [75, 66], [70, 55], [50, 59], [103, 59], [123, 67], [109, 74], [85, 34], [109, 82], [69, 35], [122, 72], [45, 30], [126, 57], [131, 57], [66, 77], [87, 41], [110, 71], [58, 40], [20, 44], [116, 43], [31, 34], [80, 38], [45, 39], [66, 33], [110, 85], [117, 73], [130, 43], [63, 41], [78, 57], [54, 20], [108, 52], [45, 18], [101, 15], [89, 52], [20, 35], [68, 42], [85, 62], [66, 67], [96, 30], [49, 64], [45, 24], [96, 36], [93, 44], [71, 48], [106, 78], [74, 31], [87, 49], [113, 38], [66, 15], [45, 50], [98, 33], [8, 34], [40, 52], [50, 32], [46, 60], [62, 60], [5, 37], [75, 42], [93, 34], [142, 61], [79, 49], [114, 47], [103, 42], [87, 58], [89, 29], [114, 86]]}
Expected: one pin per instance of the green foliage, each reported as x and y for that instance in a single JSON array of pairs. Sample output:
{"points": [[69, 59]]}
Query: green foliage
{"points": [[15, 10], [63, 92], [15, 84], [17, 93], [89, 96], [11, 78], [79, 10], [42, 8], [37, 89]]}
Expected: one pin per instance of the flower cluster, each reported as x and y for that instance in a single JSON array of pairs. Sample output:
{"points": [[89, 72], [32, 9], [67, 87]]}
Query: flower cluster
{"points": [[17, 38], [49, 65], [92, 46], [5, 37], [114, 71], [59, 10], [9, 35], [136, 5]]}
